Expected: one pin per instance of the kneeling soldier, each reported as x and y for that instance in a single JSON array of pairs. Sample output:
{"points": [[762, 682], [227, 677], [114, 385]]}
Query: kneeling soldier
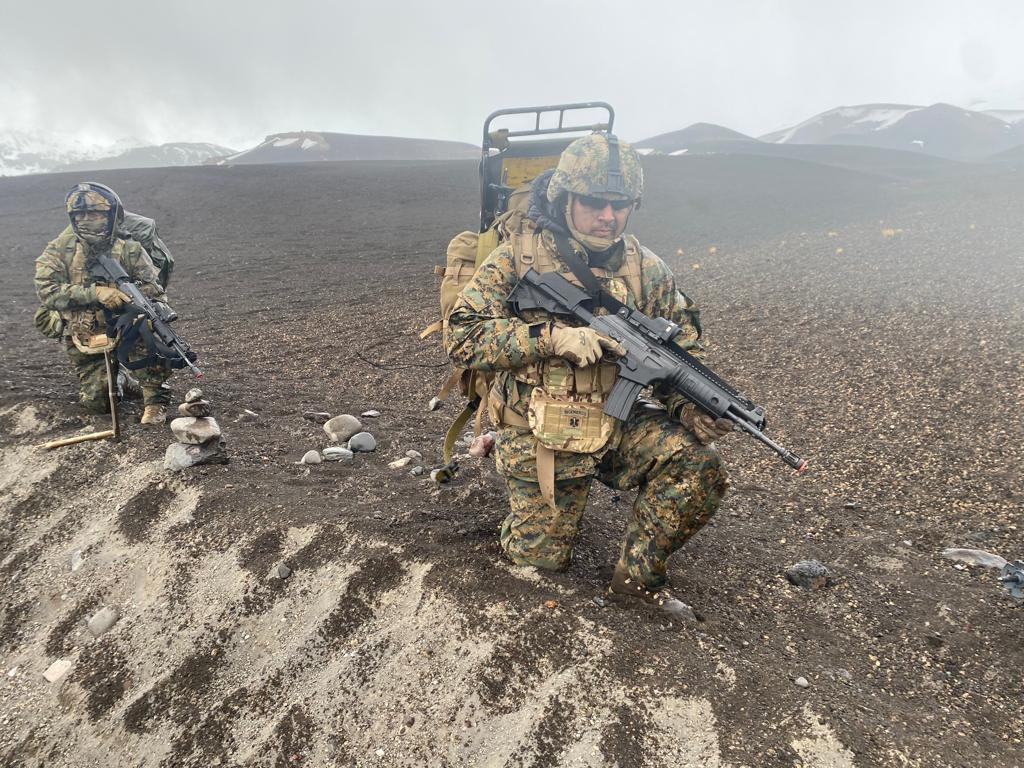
{"points": [[65, 286], [552, 380]]}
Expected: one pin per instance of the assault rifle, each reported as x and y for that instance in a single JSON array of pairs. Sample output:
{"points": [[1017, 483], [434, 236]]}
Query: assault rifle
{"points": [[651, 356], [142, 318]]}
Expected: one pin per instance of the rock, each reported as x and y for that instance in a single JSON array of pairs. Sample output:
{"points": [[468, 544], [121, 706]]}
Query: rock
{"points": [[197, 409], [103, 620], [435, 404], [317, 417], [370, 414], [180, 456], [310, 457], [416, 471], [193, 431], [248, 416], [337, 453], [809, 574], [342, 427], [414, 455], [410, 721], [362, 442], [599, 602], [399, 463], [550, 604], [802, 682], [194, 395], [77, 560], [482, 445], [280, 571], [57, 670]]}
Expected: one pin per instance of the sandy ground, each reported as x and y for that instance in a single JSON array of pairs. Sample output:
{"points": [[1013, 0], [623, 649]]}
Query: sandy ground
{"points": [[878, 317]]}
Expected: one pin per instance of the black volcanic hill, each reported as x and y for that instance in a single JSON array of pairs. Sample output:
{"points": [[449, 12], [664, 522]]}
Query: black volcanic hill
{"points": [[696, 134], [309, 146], [941, 130]]}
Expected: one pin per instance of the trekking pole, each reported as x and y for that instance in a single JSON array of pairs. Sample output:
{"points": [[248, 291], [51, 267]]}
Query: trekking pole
{"points": [[114, 433]]}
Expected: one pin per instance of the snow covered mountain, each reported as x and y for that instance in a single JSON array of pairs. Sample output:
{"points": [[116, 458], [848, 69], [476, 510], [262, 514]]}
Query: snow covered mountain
{"points": [[180, 153], [309, 146], [941, 129], [41, 152]]}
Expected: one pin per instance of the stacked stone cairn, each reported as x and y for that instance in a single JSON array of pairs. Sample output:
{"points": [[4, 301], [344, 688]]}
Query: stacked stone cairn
{"points": [[198, 435]]}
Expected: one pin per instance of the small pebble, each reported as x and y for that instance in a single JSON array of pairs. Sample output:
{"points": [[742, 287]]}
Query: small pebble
{"points": [[550, 604], [414, 455], [77, 560], [600, 602], [103, 620], [809, 574], [416, 471], [57, 670], [337, 453], [362, 442], [247, 416], [434, 404], [399, 463], [802, 682], [317, 417], [311, 457], [370, 414], [280, 571], [194, 395]]}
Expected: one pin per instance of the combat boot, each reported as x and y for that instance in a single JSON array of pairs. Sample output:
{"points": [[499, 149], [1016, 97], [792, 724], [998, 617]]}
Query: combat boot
{"points": [[624, 586], [154, 415]]}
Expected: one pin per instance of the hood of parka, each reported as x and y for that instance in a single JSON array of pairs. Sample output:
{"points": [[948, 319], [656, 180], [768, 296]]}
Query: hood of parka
{"points": [[92, 197]]}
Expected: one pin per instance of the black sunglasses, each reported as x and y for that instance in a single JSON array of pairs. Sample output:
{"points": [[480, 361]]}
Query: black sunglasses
{"points": [[598, 203]]}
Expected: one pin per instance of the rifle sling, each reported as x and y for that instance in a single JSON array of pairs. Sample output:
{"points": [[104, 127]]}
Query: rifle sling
{"points": [[590, 284]]}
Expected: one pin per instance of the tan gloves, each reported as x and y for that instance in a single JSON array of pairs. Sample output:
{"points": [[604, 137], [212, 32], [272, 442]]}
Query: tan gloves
{"points": [[705, 427], [111, 298], [582, 346]]}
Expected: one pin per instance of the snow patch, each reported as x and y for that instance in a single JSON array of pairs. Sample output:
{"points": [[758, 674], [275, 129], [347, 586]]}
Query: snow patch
{"points": [[307, 144]]}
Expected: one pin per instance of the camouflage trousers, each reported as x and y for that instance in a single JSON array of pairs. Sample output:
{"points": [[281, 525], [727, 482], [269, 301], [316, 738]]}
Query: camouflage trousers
{"points": [[92, 379], [680, 485]]}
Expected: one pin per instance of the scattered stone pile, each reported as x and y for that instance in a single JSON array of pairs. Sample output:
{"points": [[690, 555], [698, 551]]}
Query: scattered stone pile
{"points": [[345, 429], [199, 437]]}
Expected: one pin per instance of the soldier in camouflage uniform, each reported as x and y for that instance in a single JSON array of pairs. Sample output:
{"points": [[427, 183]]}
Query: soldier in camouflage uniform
{"points": [[552, 379], [64, 286]]}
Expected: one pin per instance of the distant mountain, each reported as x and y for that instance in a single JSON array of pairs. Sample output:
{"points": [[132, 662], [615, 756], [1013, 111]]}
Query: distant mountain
{"points": [[941, 130], [1014, 156], [694, 135], [180, 153], [1011, 116], [43, 151], [309, 146]]}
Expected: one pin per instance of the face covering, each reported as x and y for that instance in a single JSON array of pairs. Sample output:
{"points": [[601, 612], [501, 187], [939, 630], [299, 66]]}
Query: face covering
{"points": [[92, 232], [592, 243]]}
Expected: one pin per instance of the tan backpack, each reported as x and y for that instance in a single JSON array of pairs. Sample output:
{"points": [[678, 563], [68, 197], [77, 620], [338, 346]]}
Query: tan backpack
{"points": [[466, 252]]}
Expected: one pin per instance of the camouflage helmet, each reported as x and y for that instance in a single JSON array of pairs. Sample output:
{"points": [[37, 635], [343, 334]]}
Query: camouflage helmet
{"points": [[598, 165], [89, 196]]}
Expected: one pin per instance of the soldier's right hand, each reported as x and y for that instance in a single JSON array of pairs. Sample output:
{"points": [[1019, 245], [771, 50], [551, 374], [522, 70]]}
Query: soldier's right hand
{"points": [[582, 346], [111, 298]]}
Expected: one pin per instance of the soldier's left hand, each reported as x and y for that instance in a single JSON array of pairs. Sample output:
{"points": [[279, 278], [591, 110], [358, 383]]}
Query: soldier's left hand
{"points": [[706, 428]]}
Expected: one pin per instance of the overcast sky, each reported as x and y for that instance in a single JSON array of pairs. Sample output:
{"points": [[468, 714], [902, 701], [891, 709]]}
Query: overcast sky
{"points": [[231, 72]]}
